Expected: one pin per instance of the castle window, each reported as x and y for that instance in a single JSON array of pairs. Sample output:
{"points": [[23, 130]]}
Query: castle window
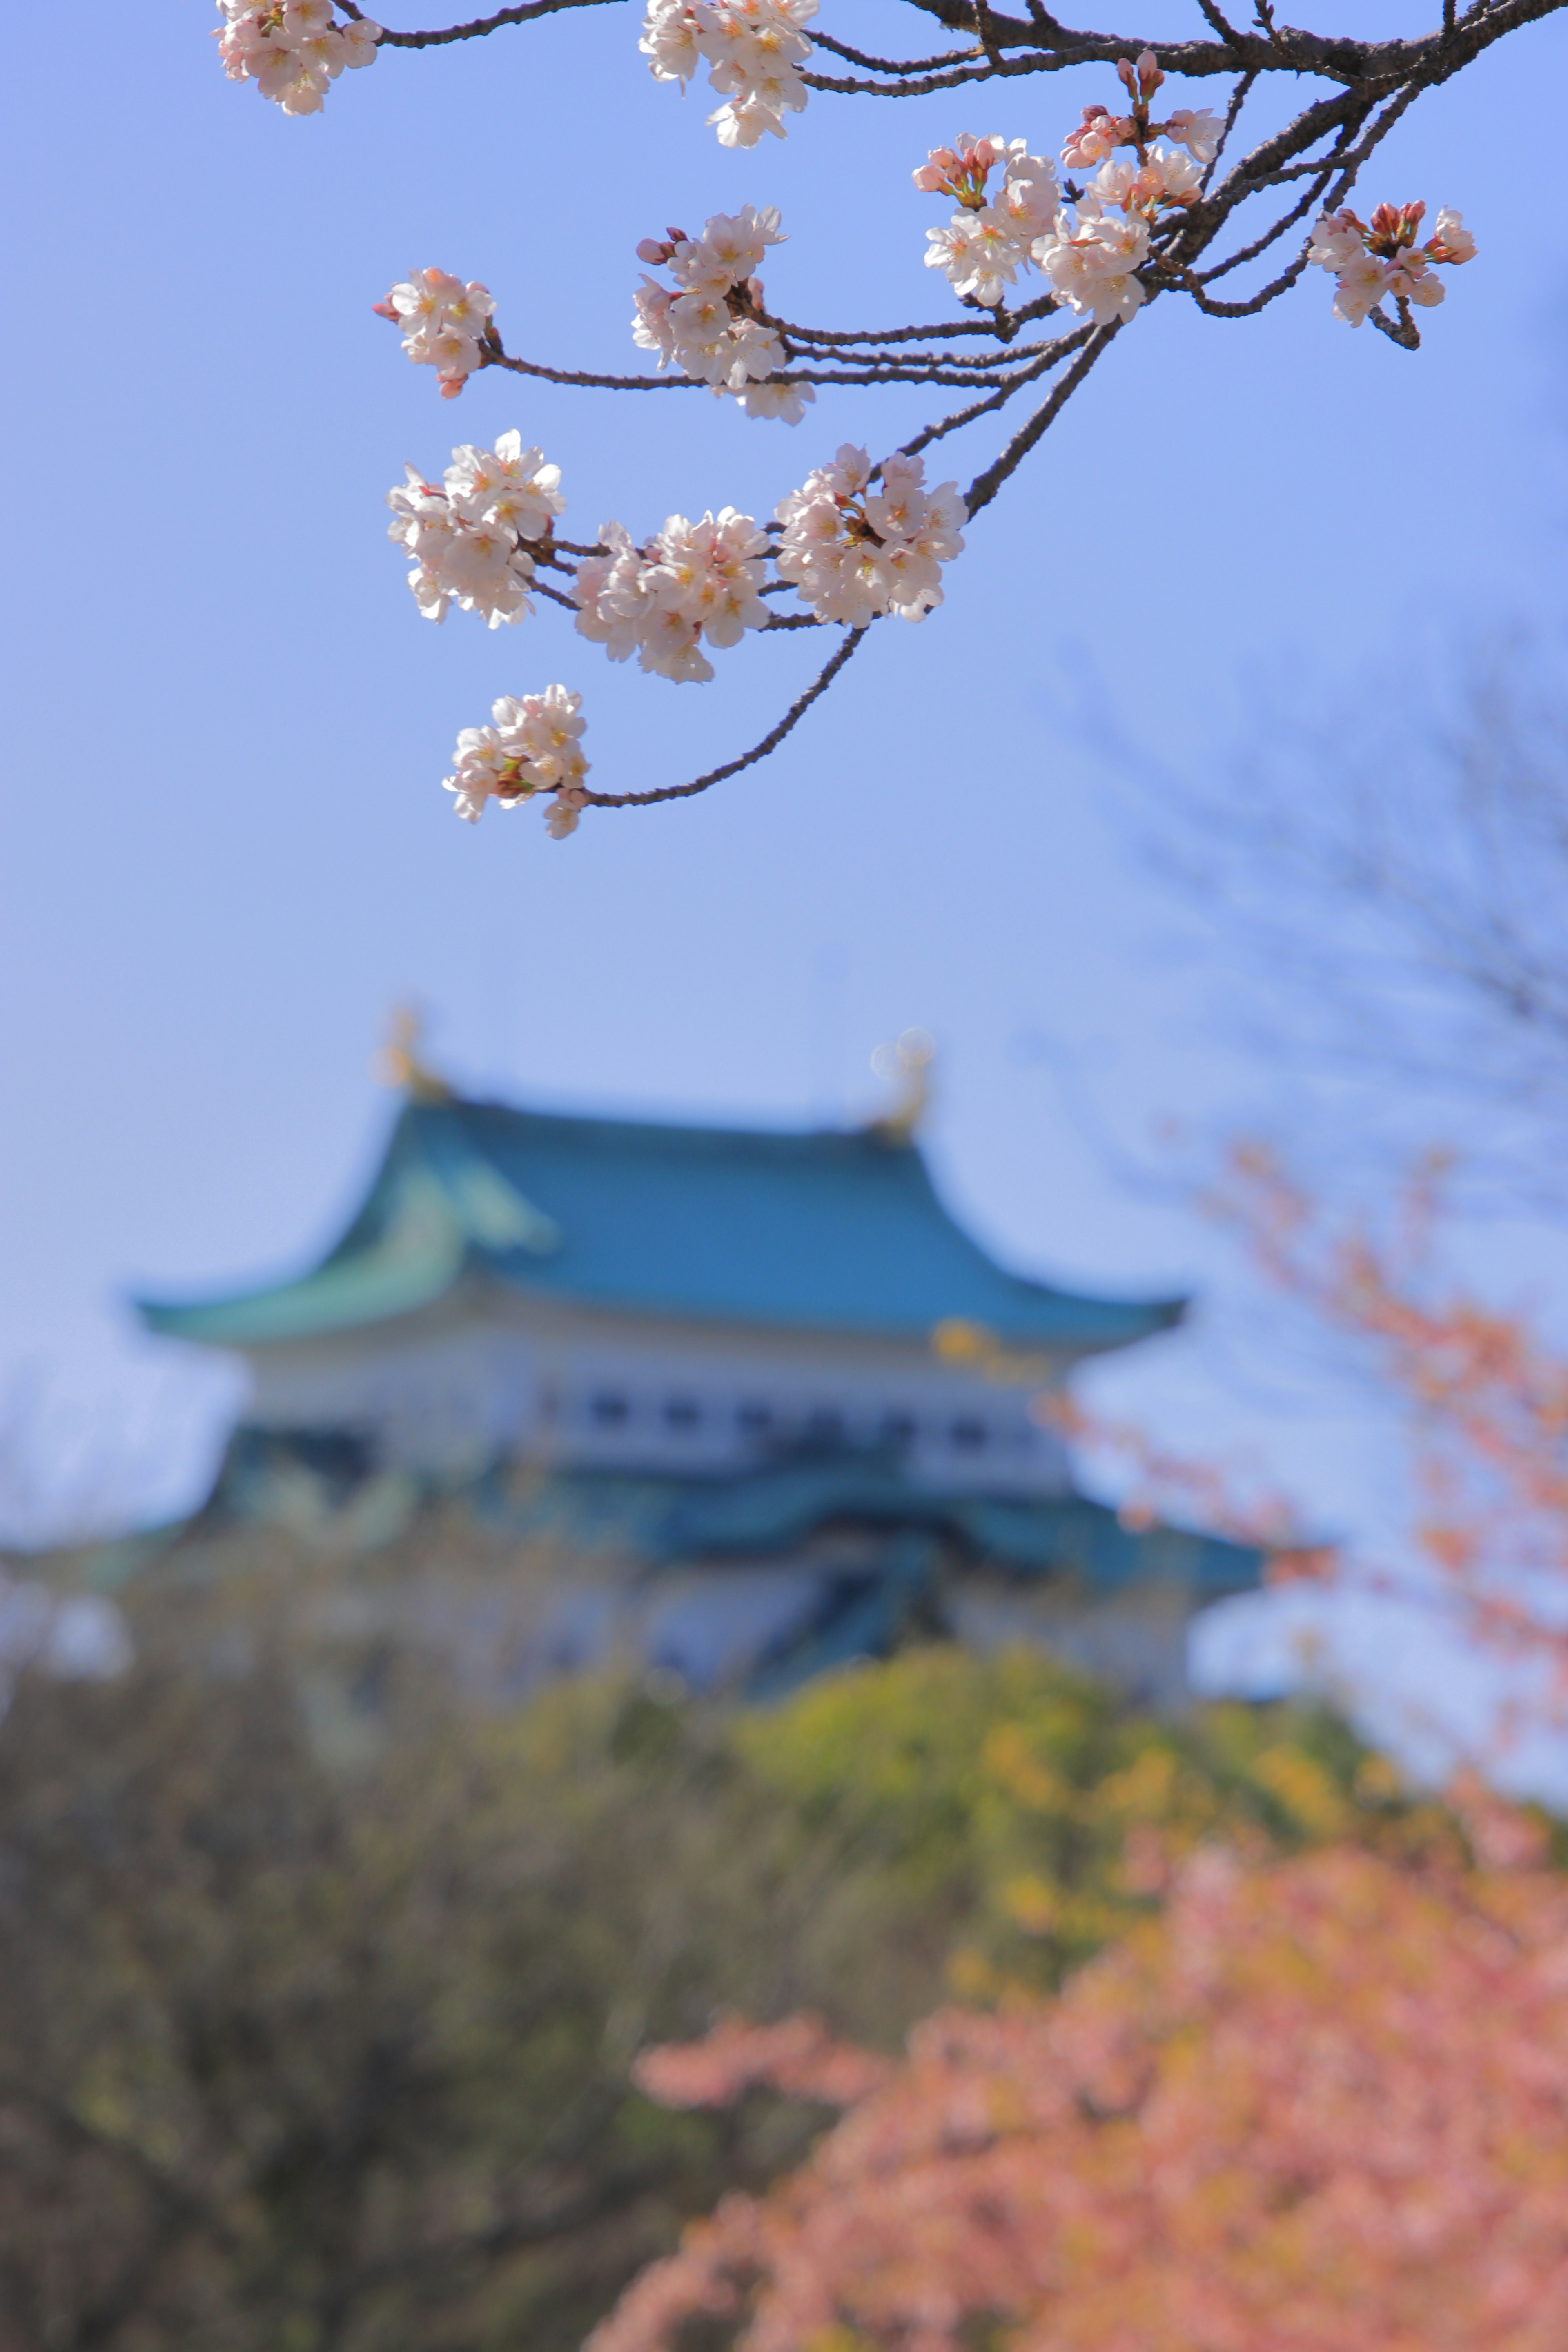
{"points": [[898, 1429], [825, 1426], [755, 1420], [682, 1412], [969, 1436], [610, 1410]]}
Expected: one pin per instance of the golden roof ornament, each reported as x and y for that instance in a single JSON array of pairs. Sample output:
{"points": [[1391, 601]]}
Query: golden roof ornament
{"points": [[907, 1062], [401, 1063]]}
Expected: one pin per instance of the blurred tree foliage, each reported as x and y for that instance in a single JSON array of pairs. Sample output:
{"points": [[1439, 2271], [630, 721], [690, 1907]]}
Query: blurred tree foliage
{"points": [[311, 2041]]}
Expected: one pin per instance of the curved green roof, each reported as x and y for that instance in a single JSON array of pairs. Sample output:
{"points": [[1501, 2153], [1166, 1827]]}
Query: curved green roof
{"points": [[822, 1230]]}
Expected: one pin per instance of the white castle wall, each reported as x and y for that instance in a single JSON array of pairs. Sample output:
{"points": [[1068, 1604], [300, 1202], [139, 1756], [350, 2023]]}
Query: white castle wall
{"points": [[490, 1373]]}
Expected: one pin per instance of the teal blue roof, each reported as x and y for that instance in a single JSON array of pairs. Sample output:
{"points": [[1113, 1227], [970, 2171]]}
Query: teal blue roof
{"points": [[821, 1231]]}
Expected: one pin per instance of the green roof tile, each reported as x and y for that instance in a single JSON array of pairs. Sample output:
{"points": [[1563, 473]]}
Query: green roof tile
{"points": [[815, 1230]]}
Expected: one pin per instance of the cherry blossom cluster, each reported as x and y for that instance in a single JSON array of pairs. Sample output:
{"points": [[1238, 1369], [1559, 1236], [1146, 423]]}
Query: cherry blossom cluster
{"points": [[445, 324], [753, 48], [468, 540], [854, 553], [1091, 250], [692, 580], [533, 747], [1379, 260], [291, 49], [988, 241], [710, 323]]}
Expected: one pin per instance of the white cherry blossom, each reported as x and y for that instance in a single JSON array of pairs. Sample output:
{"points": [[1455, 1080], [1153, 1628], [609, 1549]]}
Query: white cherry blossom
{"points": [[1197, 128], [711, 328], [753, 49], [1377, 260], [990, 238], [853, 552], [534, 746], [469, 540], [445, 324], [694, 581], [292, 49]]}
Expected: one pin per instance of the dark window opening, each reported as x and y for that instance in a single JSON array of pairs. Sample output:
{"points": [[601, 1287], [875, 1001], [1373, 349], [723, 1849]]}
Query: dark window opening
{"points": [[898, 1429], [755, 1420], [681, 1413], [825, 1427], [970, 1435], [610, 1410]]}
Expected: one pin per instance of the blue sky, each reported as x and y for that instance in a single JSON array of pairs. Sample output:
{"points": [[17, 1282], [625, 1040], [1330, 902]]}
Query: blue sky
{"points": [[225, 853]]}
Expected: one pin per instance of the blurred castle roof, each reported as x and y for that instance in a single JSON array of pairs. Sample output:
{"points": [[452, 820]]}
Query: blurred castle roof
{"points": [[825, 1230]]}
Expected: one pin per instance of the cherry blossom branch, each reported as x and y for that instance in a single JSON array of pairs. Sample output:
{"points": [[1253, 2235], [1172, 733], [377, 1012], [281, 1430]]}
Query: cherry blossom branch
{"points": [[770, 741], [985, 487], [471, 32], [858, 539]]}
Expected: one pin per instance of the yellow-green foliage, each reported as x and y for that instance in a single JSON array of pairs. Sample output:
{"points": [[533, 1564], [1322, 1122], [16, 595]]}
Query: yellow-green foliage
{"points": [[308, 2042], [1041, 1816]]}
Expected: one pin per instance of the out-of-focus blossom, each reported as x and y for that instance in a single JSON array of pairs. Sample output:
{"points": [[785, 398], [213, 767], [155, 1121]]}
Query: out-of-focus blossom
{"points": [[693, 582], [1313, 2107], [466, 538], [1378, 260], [445, 324], [710, 324], [854, 551], [753, 49], [292, 49], [533, 747]]}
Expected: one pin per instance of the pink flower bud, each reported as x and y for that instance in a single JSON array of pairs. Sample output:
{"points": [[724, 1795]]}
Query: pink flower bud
{"points": [[1124, 74], [386, 310], [930, 179], [651, 251], [451, 385], [1148, 74]]}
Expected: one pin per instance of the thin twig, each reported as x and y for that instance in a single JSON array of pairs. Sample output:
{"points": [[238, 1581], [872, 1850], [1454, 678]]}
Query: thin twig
{"points": [[474, 30], [770, 742], [891, 65], [985, 487]]}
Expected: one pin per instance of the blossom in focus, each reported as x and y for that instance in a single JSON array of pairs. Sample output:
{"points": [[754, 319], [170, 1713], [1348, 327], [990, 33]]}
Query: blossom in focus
{"points": [[468, 539], [292, 49], [445, 324], [1196, 128], [753, 49], [1096, 136], [1377, 260], [854, 551], [533, 747], [987, 242], [694, 581], [710, 324]]}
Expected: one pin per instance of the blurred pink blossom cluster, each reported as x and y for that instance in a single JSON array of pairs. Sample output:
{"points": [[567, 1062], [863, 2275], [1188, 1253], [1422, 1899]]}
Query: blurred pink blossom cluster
{"points": [[444, 324], [797, 2056], [753, 48], [854, 551], [533, 747], [692, 580], [710, 323], [1379, 260], [1318, 2106], [466, 540], [292, 49]]}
